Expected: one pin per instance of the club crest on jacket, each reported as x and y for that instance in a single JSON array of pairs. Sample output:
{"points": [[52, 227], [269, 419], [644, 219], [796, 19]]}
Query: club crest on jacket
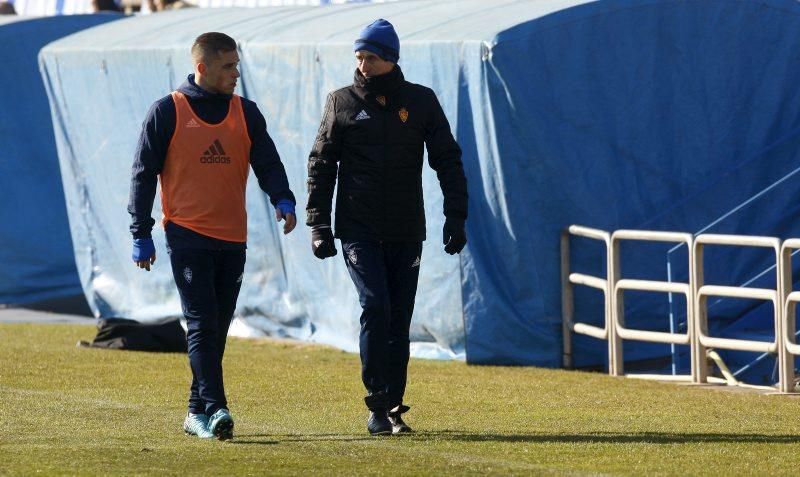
{"points": [[352, 256], [187, 274], [403, 114]]}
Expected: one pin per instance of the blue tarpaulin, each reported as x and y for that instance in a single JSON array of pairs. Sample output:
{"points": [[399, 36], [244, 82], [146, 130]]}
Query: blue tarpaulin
{"points": [[655, 114], [35, 245], [665, 115]]}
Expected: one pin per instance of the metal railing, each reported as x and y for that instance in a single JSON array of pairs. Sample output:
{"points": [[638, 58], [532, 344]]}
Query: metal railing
{"points": [[567, 298], [619, 285], [789, 346], [702, 292], [697, 337]]}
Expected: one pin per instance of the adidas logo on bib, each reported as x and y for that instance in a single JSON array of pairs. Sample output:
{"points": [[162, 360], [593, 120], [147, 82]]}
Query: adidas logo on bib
{"points": [[215, 154], [192, 124]]}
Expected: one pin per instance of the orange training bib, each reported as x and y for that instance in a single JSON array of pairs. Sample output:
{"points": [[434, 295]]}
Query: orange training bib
{"points": [[205, 173]]}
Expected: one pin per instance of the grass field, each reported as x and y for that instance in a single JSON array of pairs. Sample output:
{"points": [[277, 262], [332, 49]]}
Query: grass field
{"points": [[298, 410]]}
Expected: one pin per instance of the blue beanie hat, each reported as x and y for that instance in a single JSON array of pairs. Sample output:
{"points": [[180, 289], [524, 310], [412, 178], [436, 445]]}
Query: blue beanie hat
{"points": [[380, 38]]}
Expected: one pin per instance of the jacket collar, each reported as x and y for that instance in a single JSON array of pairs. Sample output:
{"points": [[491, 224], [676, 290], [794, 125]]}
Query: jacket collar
{"points": [[369, 89], [195, 92]]}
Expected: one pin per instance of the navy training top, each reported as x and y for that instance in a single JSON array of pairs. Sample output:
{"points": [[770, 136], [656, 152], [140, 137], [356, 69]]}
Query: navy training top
{"points": [[157, 131]]}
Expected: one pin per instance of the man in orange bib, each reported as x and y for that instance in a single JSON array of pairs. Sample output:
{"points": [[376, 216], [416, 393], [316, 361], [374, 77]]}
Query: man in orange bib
{"points": [[202, 140]]}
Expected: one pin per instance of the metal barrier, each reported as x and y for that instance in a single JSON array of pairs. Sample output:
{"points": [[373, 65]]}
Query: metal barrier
{"points": [[784, 301], [567, 300], [619, 285], [702, 292], [789, 347]]}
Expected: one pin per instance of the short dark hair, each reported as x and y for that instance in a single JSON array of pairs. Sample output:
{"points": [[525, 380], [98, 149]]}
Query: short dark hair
{"points": [[104, 6], [7, 9], [211, 44]]}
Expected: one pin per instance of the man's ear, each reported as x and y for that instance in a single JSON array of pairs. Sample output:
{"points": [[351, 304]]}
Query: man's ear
{"points": [[202, 68]]}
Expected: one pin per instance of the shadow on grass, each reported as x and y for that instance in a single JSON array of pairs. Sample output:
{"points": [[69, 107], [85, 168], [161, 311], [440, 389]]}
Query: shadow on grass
{"points": [[609, 437], [279, 438], [239, 440], [589, 438]]}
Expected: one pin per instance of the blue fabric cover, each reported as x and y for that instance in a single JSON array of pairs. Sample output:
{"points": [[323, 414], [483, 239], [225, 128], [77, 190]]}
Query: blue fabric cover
{"points": [[35, 245], [663, 115], [655, 114]]}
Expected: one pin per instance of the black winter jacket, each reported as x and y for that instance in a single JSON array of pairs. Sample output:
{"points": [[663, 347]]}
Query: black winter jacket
{"points": [[372, 134]]}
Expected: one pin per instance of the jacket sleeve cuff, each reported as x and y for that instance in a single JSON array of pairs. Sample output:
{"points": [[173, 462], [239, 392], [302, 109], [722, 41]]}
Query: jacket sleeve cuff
{"points": [[314, 219]]}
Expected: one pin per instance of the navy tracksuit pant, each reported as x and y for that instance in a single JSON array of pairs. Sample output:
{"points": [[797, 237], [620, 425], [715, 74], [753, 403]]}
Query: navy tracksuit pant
{"points": [[208, 283], [385, 275]]}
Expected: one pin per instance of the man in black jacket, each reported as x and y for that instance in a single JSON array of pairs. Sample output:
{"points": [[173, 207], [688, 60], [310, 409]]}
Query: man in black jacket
{"points": [[372, 135], [201, 140]]}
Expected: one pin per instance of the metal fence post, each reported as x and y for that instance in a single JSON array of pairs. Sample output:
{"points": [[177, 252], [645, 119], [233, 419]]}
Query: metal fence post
{"points": [[567, 300], [691, 320], [699, 364], [788, 319], [616, 365]]}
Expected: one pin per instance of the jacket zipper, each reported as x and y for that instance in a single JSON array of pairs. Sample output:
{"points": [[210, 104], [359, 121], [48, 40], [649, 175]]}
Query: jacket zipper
{"points": [[384, 179]]}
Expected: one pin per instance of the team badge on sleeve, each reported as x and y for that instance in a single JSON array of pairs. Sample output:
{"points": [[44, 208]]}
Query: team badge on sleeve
{"points": [[403, 114], [352, 256], [187, 274]]}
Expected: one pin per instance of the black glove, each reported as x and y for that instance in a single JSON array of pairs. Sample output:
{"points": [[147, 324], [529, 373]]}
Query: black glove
{"points": [[454, 236], [322, 241]]}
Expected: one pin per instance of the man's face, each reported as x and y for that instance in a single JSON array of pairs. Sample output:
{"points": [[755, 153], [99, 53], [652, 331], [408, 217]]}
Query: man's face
{"points": [[370, 64], [221, 72]]}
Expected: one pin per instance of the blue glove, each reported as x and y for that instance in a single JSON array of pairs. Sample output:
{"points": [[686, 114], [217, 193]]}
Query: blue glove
{"points": [[286, 207], [143, 249]]}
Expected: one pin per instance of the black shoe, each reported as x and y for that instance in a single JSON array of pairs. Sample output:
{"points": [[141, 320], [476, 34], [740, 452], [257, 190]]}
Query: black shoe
{"points": [[378, 423], [396, 418]]}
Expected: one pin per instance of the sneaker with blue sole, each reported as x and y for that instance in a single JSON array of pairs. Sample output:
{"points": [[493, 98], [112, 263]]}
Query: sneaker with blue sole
{"points": [[197, 425], [220, 424]]}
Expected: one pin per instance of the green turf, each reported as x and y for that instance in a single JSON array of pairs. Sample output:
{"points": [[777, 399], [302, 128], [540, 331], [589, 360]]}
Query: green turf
{"points": [[298, 410]]}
